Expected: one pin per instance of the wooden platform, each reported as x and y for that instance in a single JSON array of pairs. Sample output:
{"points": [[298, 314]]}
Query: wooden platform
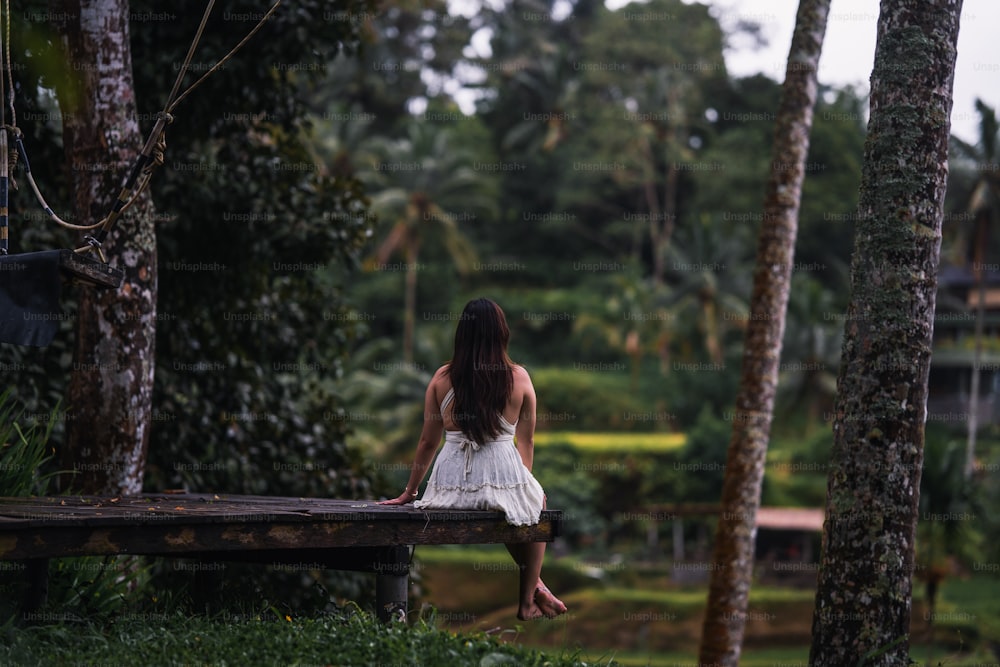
{"points": [[338, 534]]}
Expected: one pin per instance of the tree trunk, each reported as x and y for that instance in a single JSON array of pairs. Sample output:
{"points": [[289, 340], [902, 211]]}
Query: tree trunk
{"points": [[729, 587], [862, 611], [110, 392]]}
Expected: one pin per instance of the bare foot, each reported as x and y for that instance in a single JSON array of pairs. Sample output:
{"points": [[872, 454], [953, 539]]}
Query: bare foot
{"points": [[548, 603], [529, 612]]}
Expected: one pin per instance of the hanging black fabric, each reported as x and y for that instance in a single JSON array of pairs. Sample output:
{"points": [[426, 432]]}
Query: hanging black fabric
{"points": [[30, 284]]}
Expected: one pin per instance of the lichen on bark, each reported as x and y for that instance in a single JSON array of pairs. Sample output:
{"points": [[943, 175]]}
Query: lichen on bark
{"points": [[109, 399], [863, 601]]}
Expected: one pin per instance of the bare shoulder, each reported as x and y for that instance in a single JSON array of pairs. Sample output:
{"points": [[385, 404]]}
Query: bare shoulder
{"points": [[521, 377], [439, 384], [524, 397]]}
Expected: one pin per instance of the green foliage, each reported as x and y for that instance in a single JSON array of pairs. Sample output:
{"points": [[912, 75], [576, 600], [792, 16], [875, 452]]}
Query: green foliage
{"points": [[543, 320], [257, 239], [947, 506], [265, 638], [641, 589], [577, 400], [694, 394], [23, 455], [985, 496], [571, 486], [78, 588], [797, 470], [264, 215], [606, 493], [251, 379], [703, 458], [91, 589], [259, 236]]}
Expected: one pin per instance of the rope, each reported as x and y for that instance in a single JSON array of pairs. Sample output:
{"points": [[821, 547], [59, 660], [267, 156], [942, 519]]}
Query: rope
{"points": [[6, 162], [190, 54], [3, 74], [152, 154], [34, 187], [225, 58], [10, 73], [3, 191], [15, 147]]}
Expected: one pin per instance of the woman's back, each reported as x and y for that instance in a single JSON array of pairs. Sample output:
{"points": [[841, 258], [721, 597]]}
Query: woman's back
{"points": [[520, 401]]}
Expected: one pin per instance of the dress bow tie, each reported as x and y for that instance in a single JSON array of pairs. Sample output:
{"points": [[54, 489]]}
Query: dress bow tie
{"points": [[468, 446]]}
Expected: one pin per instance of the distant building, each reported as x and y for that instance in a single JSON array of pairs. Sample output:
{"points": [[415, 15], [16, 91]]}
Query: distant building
{"points": [[786, 548], [788, 543], [954, 347]]}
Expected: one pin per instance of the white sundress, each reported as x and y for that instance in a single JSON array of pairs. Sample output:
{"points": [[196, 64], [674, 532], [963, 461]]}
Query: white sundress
{"points": [[483, 476]]}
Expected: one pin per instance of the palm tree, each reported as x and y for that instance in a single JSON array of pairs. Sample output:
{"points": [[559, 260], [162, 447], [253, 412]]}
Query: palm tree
{"points": [[387, 406], [629, 320], [341, 140], [863, 607], [530, 69], [424, 187], [733, 554], [983, 207], [540, 84], [706, 283]]}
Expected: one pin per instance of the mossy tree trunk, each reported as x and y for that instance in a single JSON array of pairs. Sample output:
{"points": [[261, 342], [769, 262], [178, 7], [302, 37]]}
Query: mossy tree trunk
{"points": [[733, 558], [862, 612], [110, 392]]}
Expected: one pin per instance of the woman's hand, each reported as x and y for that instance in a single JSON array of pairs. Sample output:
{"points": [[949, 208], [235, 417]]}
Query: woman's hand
{"points": [[405, 497]]}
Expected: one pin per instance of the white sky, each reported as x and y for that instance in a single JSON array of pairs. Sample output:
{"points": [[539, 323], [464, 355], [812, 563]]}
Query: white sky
{"points": [[849, 48]]}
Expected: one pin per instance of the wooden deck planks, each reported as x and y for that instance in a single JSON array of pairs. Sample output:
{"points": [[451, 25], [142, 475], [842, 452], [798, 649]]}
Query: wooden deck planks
{"points": [[174, 524], [329, 533]]}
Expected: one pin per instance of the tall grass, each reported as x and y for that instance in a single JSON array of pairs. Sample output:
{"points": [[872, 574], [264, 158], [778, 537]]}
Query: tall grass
{"points": [[23, 452], [79, 588]]}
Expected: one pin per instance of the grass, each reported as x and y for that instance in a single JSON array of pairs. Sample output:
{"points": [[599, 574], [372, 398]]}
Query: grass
{"points": [[610, 624], [639, 612], [348, 640], [22, 451], [344, 640], [693, 598], [788, 657], [640, 617], [752, 658], [968, 608], [613, 441]]}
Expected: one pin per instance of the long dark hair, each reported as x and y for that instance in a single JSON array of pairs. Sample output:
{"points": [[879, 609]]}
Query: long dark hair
{"points": [[480, 371]]}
